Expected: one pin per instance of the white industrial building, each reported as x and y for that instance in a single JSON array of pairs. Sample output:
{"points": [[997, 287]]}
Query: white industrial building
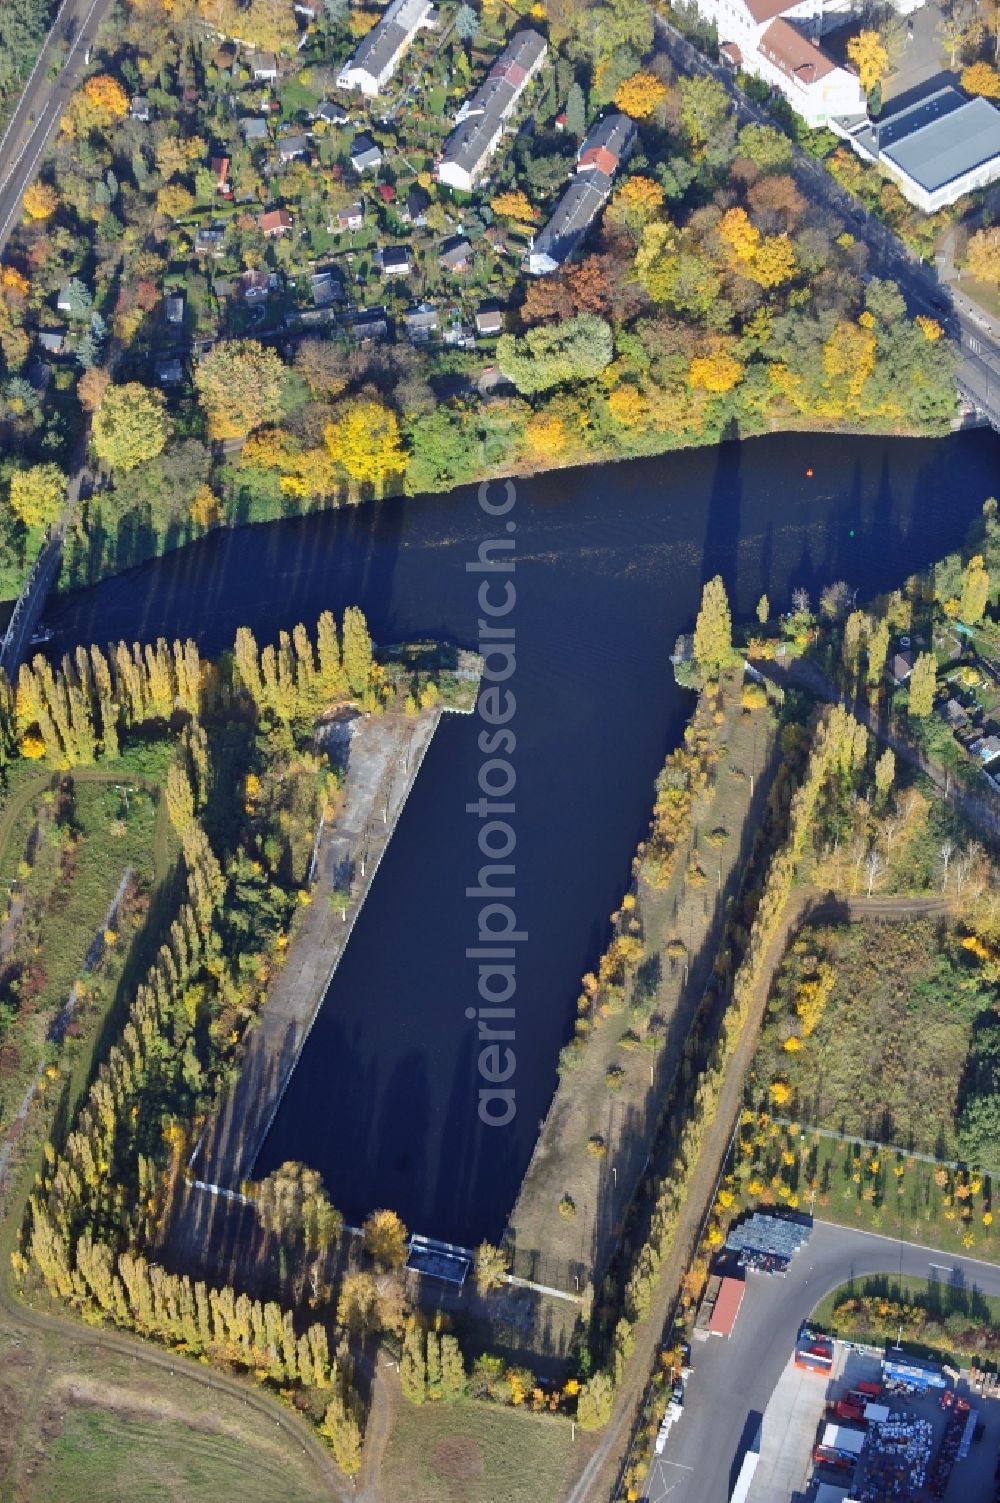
{"points": [[378, 55], [480, 122], [936, 150]]}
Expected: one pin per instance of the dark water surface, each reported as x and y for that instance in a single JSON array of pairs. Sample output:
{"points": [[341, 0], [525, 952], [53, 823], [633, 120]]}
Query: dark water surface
{"points": [[610, 563]]}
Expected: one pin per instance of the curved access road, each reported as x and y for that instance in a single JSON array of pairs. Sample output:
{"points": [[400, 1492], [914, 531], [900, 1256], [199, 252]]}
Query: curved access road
{"points": [[733, 1380], [43, 99]]}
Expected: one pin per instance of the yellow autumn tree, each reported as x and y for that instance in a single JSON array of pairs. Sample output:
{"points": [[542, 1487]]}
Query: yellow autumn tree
{"points": [[364, 441], [983, 255], [240, 383], [628, 406], [868, 53], [716, 372], [40, 200], [773, 262], [641, 95], [174, 201], [848, 359], [929, 328], [100, 102], [38, 494], [637, 202], [14, 281], [981, 78], [512, 205], [546, 436], [738, 235]]}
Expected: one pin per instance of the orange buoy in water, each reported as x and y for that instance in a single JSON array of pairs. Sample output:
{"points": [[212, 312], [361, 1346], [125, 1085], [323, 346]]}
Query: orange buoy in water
{"points": [[809, 473]]}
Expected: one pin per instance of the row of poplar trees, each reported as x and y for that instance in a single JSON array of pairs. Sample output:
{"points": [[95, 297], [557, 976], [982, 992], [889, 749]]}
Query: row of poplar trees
{"points": [[99, 1200], [80, 711]]}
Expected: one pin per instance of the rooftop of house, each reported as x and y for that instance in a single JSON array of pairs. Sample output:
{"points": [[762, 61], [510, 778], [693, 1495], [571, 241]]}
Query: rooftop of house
{"points": [[939, 139], [395, 256], [275, 219], [454, 250], [363, 146], [264, 62], [572, 216], [767, 10], [290, 146], [472, 141], [795, 54], [389, 35], [612, 135], [254, 128]]}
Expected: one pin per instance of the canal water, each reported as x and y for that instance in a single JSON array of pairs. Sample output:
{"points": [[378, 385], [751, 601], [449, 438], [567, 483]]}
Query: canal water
{"points": [[609, 567]]}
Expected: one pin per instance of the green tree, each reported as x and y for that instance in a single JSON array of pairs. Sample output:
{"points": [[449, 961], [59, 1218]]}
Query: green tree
{"points": [[453, 1379], [770, 150], [576, 111], [554, 354], [38, 494], [597, 1396], [920, 701], [130, 426], [878, 651], [713, 631], [704, 108]]}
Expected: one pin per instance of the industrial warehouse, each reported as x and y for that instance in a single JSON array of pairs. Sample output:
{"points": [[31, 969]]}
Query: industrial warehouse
{"points": [[797, 1416]]}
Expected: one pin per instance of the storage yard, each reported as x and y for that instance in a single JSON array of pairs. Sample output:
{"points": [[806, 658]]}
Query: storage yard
{"points": [[768, 1411]]}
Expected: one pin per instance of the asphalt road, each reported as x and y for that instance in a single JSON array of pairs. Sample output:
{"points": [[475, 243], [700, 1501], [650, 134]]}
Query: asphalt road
{"points": [[42, 102], [732, 1380], [976, 335]]}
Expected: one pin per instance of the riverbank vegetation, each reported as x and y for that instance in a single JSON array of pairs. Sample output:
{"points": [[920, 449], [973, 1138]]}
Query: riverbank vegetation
{"points": [[200, 311]]}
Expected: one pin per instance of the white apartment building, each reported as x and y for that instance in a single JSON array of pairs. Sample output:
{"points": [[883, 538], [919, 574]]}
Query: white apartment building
{"points": [[778, 41], [480, 122], [378, 55]]}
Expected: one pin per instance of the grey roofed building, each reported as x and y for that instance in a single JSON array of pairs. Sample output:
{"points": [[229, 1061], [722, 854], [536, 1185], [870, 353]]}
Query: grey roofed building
{"points": [[455, 252], [139, 109], [468, 149], [938, 149], [395, 261], [52, 341], [480, 121], [327, 287], [209, 242], [351, 217], [608, 143], [902, 665], [571, 218], [369, 324], [173, 308], [169, 372], [413, 209], [264, 66], [290, 147], [421, 322], [365, 155], [253, 128], [489, 318], [332, 113], [378, 53]]}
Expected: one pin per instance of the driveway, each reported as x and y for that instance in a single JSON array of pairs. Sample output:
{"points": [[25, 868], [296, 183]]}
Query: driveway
{"points": [[732, 1380], [45, 95]]}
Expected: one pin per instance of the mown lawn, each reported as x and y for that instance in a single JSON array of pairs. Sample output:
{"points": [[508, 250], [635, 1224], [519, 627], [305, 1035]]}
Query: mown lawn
{"points": [[452, 1453]]}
